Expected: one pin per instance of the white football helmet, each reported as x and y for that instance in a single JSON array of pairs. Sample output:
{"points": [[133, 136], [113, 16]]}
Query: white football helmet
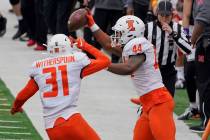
{"points": [[127, 28], [59, 44]]}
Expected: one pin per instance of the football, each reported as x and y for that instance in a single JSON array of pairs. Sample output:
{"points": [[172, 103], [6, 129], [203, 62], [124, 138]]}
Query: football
{"points": [[77, 19]]}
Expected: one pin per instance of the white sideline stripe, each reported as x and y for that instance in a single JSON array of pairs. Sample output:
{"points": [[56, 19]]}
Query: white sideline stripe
{"points": [[4, 109], [12, 127], [4, 104], [12, 139], [10, 121], [14, 133], [3, 99]]}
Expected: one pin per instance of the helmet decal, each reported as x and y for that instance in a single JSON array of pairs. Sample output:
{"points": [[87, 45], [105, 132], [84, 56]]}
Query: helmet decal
{"points": [[130, 25], [127, 28]]}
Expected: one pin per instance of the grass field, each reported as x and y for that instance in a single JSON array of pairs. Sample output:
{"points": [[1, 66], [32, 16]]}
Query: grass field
{"points": [[182, 103], [14, 127]]}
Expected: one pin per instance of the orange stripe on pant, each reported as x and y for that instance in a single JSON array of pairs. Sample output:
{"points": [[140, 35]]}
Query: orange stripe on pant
{"points": [[156, 122], [75, 128]]}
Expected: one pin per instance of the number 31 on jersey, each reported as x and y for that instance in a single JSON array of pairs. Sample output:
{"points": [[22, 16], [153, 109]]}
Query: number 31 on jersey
{"points": [[53, 81]]}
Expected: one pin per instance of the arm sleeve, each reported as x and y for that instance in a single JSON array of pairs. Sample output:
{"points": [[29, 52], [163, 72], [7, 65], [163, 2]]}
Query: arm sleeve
{"points": [[100, 62], [28, 91], [182, 42]]}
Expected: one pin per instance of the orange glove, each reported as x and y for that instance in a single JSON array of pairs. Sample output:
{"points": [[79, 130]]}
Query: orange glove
{"points": [[15, 110], [81, 43], [72, 39], [90, 19]]}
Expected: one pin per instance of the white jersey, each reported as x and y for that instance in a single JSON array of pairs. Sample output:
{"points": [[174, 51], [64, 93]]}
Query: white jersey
{"points": [[147, 77], [59, 82]]}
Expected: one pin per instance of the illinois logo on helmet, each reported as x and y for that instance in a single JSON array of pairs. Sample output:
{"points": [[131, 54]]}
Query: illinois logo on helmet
{"points": [[127, 28]]}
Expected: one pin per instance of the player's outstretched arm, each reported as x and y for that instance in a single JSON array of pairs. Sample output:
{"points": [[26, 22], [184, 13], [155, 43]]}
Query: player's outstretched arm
{"points": [[101, 37], [129, 67], [28, 91], [100, 62]]}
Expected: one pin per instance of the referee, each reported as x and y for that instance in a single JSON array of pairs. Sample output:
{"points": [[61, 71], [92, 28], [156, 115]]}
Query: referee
{"points": [[167, 37]]}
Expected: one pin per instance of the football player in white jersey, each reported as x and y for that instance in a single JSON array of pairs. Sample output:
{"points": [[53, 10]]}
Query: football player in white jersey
{"points": [[58, 79], [139, 61]]}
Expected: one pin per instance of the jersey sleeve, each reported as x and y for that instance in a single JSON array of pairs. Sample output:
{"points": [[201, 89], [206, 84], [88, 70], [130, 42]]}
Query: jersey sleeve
{"points": [[136, 46]]}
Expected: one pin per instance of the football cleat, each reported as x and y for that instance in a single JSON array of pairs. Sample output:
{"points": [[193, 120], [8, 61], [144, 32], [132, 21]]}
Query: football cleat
{"points": [[189, 113]]}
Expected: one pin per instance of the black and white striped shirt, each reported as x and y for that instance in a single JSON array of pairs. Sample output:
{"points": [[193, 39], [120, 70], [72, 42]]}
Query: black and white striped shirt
{"points": [[167, 46]]}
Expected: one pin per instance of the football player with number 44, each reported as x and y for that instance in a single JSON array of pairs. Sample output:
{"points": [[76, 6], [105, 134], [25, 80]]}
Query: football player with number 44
{"points": [[58, 79], [139, 61]]}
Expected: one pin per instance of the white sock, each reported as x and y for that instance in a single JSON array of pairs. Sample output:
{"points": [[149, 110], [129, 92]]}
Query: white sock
{"points": [[193, 105]]}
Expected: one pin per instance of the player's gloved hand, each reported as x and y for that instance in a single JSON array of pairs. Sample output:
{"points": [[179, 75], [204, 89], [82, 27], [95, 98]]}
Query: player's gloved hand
{"points": [[90, 22], [15, 110], [80, 43], [90, 19], [135, 101], [72, 39]]}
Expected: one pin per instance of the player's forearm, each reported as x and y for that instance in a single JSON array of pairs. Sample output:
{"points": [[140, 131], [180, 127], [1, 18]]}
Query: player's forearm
{"points": [[28, 91], [105, 41], [95, 66], [100, 62], [120, 69]]}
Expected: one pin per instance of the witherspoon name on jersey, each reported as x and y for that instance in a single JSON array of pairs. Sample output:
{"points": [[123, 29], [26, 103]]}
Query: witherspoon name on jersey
{"points": [[53, 61]]}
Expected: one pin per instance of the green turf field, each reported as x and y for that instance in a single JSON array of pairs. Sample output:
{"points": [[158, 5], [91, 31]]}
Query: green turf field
{"points": [[14, 127], [182, 103]]}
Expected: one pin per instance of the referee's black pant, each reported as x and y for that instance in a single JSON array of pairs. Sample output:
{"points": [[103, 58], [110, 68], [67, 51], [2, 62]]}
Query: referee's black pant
{"points": [[190, 79], [202, 63], [168, 74]]}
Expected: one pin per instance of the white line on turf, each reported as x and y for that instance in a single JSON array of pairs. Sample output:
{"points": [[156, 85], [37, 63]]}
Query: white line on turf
{"points": [[8, 121], [13, 139], [12, 127], [3, 99], [5, 104], [4, 109], [15, 133]]}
